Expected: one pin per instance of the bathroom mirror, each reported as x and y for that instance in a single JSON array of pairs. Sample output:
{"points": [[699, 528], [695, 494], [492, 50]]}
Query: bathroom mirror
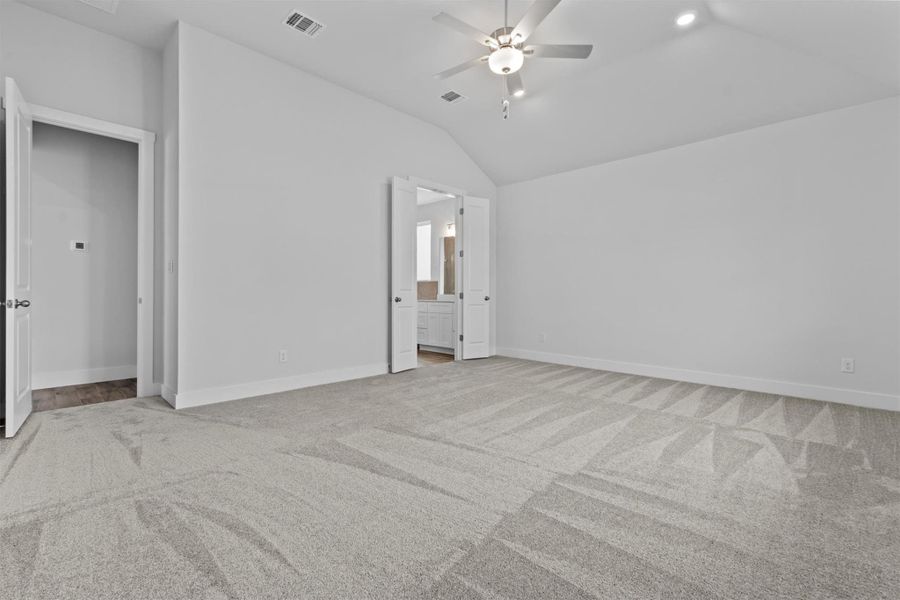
{"points": [[448, 272]]}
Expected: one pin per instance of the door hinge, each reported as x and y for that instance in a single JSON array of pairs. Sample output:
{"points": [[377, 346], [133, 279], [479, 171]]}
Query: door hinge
{"points": [[460, 337], [462, 210], [460, 295], [460, 253]]}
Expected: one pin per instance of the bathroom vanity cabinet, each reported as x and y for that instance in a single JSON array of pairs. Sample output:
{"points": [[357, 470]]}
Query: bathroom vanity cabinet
{"points": [[437, 324]]}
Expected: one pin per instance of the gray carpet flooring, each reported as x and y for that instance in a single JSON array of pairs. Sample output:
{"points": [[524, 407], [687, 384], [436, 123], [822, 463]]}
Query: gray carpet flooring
{"points": [[494, 479]]}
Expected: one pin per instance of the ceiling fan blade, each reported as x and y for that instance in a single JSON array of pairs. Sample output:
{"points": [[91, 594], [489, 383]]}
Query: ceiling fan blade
{"points": [[514, 85], [466, 29], [538, 11], [460, 68], [559, 50]]}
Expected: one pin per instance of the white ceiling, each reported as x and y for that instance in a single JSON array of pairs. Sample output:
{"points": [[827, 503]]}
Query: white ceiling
{"points": [[647, 86]]}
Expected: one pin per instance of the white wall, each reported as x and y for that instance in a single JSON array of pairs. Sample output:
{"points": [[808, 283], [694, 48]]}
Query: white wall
{"points": [[756, 260], [283, 221], [439, 214], [63, 65], [84, 187]]}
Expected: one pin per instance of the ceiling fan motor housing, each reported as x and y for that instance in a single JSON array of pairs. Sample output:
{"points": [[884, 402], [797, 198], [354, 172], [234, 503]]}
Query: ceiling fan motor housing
{"points": [[504, 36]]}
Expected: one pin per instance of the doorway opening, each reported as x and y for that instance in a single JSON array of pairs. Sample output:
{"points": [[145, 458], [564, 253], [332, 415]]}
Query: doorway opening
{"points": [[436, 276], [439, 275], [84, 263], [18, 123]]}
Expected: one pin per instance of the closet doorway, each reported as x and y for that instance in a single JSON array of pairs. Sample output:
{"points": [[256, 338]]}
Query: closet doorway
{"points": [[84, 206], [20, 119]]}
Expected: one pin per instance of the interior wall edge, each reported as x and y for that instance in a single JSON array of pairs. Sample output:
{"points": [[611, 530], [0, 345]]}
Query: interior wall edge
{"points": [[852, 397], [167, 394], [471, 158]]}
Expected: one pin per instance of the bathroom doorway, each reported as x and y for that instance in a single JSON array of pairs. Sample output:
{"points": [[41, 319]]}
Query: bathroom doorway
{"points": [[436, 250], [439, 288]]}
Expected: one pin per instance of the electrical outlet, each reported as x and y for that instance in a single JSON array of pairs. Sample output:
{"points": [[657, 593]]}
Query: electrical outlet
{"points": [[282, 356], [542, 337], [848, 365]]}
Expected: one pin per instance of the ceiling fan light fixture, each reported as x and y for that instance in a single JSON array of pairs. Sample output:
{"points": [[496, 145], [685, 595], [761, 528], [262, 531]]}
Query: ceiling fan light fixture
{"points": [[519, 93], [505, 60]]}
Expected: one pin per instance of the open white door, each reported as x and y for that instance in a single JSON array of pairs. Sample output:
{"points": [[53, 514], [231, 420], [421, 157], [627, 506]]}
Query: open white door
{"points": [[18, 259], [404, 302], [476, 278]]}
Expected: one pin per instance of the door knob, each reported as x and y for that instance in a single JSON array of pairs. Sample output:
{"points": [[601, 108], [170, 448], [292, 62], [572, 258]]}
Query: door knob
{"points": [[23, 303], [486, 298], [396, 298]]}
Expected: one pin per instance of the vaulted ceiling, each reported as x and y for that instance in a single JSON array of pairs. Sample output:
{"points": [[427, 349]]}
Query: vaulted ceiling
{"points": [[648, 85]]}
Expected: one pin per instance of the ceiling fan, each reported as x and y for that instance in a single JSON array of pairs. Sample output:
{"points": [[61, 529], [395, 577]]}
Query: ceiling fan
{"points": [[507, 48]]}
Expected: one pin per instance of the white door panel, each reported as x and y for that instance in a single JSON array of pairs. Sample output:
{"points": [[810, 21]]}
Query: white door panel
{"points": [[404, 309], [18, 259], [476, 267]]}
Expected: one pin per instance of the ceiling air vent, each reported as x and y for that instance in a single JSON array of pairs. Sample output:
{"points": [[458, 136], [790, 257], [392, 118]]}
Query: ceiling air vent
{"points": [[304, 24], [453, 97]]}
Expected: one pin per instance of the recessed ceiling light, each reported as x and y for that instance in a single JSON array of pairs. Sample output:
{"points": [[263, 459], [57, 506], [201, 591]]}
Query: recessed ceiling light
{"points": [[685, 19], [519, 93]]}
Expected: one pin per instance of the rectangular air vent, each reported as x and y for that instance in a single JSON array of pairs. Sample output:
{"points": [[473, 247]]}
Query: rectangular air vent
{"points": [[304, 24], [453, 97]]}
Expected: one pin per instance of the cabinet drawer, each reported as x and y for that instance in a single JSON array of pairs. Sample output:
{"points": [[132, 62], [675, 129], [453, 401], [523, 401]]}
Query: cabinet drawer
{"points": [[422, 320]]}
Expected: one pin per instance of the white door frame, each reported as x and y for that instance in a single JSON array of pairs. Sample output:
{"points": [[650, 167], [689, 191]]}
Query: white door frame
{"points": [[459, 193], [146, 141]]}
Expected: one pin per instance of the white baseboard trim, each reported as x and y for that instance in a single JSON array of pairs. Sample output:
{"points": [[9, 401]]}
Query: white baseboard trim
{"points": [[149, 389], [168, 394], [193, 398], [753, 384], [52, 379]]}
